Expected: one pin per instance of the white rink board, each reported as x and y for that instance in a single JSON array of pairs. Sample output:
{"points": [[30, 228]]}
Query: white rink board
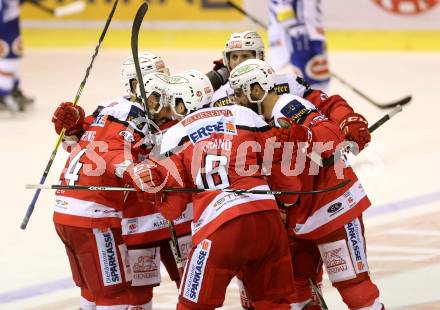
{"points": [[401, 163]]}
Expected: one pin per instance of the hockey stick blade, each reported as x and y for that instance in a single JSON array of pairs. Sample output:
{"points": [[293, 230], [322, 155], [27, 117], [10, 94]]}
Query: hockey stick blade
{"points": [[190, 190], [69, 9], [390, 105], [31, 206]]}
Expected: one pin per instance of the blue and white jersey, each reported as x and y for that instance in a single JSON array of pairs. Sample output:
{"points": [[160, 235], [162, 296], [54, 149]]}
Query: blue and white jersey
{"points": [[10, 41], [297, 40]]}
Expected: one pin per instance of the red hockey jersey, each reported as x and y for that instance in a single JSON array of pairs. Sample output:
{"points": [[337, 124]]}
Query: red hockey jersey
{"points": [[142, 223], [318, 215], [109, 144], [214, 149]]}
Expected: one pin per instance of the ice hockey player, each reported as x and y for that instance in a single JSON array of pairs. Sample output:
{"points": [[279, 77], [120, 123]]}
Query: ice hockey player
{"points": [[248, 44], [120, 124], [297, 40], [231, 232], [11, 50], [326, 227]]}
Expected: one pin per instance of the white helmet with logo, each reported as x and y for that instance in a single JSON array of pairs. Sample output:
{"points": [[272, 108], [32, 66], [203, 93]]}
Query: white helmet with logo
{"points": [[155, 84], [192, 87], [250, 72], [244, 41], [148, 63]]}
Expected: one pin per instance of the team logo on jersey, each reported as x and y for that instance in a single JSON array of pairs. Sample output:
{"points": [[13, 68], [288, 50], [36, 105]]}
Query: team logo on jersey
{"points": [[136, 116], [356, 245], [100, 120], [225, 126], [132, 225], [127, 135], [296, 111], [195, 271], [334, 208], [108, 257]]}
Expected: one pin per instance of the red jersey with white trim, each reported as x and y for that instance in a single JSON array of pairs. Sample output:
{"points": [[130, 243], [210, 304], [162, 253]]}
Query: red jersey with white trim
{"points": [[216, 148], [142, 223], [104, 151], [318, 215]]}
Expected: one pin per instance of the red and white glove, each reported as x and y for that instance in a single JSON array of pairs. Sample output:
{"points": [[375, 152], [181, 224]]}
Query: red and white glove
{"points": [[145, 178], [290, 131], [355, 128], [69, 117]]}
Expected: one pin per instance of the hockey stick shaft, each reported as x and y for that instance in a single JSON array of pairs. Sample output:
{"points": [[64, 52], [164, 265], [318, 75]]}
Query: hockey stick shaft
{"points": [[318, 295], [339, 154], [190, 190], [242, 11], [179, 260], [31, 206], [137, 23], [400, 102]]}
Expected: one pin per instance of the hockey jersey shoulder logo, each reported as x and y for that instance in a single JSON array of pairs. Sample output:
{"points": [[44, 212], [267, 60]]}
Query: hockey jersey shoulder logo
{"points": [[137, 117]]}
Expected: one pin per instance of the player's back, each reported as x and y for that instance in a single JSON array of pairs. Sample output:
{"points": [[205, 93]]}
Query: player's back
{"points": [[104, 150]]}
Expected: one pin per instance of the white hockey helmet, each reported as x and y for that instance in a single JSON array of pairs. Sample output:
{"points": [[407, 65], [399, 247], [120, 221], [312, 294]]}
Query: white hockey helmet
{"points": [[155, 84], [148, 63], [244, 41], [250, 72], [192, 87]]}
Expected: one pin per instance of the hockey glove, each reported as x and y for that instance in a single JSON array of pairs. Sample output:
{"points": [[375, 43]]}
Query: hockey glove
{"points": [[69, 117], [290, 131], [355, 128], [145, 178], [219, 75]]}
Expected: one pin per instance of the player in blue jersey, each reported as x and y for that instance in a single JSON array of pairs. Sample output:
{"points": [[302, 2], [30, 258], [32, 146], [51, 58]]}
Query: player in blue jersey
{"points": [[11, 96]]}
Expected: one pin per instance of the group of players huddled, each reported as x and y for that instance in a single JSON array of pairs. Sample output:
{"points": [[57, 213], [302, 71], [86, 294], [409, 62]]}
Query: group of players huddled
{"points": [[240, 126]]}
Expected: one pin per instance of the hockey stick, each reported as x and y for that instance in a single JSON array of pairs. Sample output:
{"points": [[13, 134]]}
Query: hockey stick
{"points": [[242, 11], [191, 190], [137, 22], [389, 105], [318, 295], [31, 206], [60, 11], [350, 145]]}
